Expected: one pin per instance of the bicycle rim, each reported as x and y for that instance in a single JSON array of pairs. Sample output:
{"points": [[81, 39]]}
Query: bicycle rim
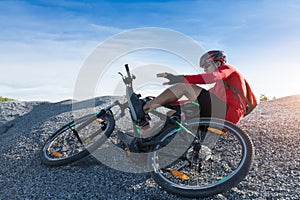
{"points": [[70, 143], [218, 166]]}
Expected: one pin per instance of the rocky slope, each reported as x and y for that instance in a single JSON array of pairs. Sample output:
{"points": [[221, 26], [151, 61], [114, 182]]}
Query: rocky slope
{"points": [[274, 127]]}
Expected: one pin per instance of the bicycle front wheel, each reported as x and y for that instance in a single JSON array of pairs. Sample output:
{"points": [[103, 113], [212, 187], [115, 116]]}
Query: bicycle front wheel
{"points": [[212, 164], [77, 139]]}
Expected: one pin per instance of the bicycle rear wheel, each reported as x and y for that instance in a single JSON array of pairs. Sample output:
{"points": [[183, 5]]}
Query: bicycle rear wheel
{"points": [[208, 167], [77, 139]]}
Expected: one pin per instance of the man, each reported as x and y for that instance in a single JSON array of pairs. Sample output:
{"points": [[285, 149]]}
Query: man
{"points": [[219, 101]]}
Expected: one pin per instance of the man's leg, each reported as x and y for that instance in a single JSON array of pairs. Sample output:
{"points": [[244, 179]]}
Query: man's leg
{"points": [[172, 94]]}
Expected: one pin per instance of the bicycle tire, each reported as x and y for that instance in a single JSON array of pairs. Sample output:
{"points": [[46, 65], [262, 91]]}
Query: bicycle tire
{"points": [[182, 184], [65, 140]]}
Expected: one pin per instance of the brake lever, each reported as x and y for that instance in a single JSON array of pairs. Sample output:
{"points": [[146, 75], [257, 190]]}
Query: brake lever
{"points": [[121, 75]]}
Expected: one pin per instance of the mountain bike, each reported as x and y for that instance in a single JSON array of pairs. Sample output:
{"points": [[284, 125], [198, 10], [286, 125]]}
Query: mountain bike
{"points": [[186, 155]]}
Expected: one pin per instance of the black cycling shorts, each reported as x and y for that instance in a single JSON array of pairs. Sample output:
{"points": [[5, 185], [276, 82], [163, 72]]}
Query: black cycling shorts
{"points": [[211, 106]]}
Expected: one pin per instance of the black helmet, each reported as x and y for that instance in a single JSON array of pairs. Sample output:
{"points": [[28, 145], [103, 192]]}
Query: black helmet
{"points": [[210, 56]]}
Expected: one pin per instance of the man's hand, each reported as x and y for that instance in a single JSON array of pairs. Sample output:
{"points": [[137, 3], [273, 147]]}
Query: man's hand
{"points": [[172, 78]]}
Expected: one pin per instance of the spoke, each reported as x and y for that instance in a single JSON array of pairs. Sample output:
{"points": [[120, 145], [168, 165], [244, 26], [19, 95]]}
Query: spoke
{"points": [[77, 135], [184, 164]]}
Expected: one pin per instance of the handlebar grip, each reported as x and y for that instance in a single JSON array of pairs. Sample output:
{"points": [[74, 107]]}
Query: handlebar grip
{"points": [[127, 68]]}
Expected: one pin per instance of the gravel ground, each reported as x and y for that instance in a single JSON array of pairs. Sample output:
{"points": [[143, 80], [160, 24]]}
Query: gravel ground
{"points": [[24, 126]]}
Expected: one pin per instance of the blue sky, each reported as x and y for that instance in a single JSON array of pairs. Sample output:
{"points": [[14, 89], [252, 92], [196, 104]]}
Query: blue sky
{"points": [[43, 44]]}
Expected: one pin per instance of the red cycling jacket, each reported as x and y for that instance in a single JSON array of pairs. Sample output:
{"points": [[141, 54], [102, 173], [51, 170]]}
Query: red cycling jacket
{"points": [[229, 74]]}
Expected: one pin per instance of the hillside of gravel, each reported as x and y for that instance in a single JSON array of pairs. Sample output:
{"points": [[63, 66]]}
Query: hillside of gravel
{"points": [[274, 127]]}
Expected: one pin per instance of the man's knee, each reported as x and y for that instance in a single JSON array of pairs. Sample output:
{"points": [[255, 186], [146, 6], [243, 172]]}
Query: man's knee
{"points": [[191, 91], [182, 85]]}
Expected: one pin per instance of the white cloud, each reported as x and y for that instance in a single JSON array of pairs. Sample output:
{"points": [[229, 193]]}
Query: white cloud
{"points": [[45, 43], [106, 29]]}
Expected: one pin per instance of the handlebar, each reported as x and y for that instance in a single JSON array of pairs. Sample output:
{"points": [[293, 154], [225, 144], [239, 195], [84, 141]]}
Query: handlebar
{"points": [[127, 68], [129, 78]]}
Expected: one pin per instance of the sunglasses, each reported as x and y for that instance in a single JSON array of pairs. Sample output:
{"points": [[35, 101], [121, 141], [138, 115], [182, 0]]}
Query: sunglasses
{"points": [[208, 64]]}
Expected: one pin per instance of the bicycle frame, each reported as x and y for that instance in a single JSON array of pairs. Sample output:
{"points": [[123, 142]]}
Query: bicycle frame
{"points": [[177, 125]]}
